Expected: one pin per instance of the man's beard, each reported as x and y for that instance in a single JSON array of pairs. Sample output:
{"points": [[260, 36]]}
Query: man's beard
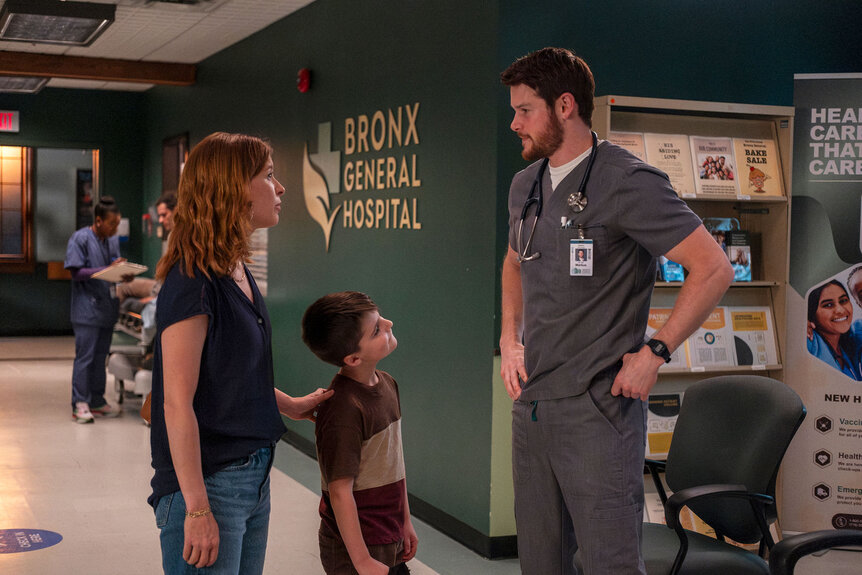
{"points": [[545, 143]]}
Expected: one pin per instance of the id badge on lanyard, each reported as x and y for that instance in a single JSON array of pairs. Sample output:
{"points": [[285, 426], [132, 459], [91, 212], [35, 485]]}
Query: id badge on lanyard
{"points": [[581, 257]]}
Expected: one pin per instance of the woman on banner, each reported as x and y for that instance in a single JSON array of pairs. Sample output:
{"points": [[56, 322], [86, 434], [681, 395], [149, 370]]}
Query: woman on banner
{"points": [[832, 336]]}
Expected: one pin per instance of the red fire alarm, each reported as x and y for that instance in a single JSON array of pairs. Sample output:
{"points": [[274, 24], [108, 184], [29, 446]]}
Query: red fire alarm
{"points": [[303, 80]]}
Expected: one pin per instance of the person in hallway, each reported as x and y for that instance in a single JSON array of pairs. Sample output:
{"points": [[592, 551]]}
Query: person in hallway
{"points": [[574, 359], [215, 411], [144, 290], [365, 525], [165, 206], [94, 309]]}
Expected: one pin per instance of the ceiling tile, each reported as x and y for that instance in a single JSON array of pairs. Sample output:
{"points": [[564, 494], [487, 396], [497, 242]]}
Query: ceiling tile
{"points": [[161, 32]]}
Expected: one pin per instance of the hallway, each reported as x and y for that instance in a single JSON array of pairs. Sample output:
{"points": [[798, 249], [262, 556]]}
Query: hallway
{"points": [[89, 483]]}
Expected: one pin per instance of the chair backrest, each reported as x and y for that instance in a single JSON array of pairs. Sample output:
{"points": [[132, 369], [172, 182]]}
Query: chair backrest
{"points": [[733, 429]]}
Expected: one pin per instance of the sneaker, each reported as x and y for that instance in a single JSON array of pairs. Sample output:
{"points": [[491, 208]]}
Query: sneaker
{"points": [[106, 410], [82, 413]]}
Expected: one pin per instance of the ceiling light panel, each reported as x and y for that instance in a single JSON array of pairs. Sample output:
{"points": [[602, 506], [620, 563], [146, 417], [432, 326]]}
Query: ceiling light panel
{"points": [[21, 84], [54, 21]]}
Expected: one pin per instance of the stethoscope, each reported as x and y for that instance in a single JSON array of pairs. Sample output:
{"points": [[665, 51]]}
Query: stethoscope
{"points": [[576, 201]]}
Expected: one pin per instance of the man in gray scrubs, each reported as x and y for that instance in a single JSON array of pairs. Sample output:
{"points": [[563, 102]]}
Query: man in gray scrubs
{"points": [[574, 359]]}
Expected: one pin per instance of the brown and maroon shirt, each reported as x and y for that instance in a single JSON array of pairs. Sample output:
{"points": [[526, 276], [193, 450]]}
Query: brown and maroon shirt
{"points": [[358, 434]]}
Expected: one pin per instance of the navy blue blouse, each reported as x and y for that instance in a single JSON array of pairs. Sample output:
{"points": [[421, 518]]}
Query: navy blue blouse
{"points": [[235, 398]]}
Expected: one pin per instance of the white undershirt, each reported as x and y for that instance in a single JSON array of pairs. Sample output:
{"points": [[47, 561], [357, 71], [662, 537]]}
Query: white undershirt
{"points": [[559, 173]]}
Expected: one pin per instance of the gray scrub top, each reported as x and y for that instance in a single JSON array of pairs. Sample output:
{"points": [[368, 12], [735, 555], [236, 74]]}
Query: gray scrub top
{"points": [[577, 327], [92, 303]]}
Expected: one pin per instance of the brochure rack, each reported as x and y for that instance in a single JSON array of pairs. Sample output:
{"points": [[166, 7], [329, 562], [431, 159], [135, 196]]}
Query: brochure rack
{"points": [[766, 218]]}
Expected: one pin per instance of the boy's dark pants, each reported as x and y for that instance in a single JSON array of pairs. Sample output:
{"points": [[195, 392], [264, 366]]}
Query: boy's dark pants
{"points": [[336, 560]]}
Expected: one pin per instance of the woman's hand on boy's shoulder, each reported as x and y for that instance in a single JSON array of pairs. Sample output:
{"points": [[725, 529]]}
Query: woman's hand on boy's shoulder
{"points": [[304, 407]]}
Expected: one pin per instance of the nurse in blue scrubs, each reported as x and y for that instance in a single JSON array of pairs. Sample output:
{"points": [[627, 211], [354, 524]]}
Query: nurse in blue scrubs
{"points": [[94, 309]]}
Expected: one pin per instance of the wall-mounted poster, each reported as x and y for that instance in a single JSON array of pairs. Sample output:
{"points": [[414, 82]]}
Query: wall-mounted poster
{"points": [[175, 152], [84, 193]]}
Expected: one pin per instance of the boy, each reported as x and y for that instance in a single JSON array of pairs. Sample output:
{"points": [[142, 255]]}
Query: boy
{"points": [[365, 525]]}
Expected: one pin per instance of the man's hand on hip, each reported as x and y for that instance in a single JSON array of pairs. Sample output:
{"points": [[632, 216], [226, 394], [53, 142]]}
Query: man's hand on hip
{"points": [[638, 374]]}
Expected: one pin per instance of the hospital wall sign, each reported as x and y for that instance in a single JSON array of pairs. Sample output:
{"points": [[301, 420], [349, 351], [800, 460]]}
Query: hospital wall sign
{"points": [[375, 187]]}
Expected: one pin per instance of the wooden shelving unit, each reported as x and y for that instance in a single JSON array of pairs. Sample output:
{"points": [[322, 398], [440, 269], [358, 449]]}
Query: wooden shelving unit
{"points": [[766, 218]]}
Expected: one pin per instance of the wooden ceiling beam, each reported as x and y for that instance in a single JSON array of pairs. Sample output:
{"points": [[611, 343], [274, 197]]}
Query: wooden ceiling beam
{"points": [[101, 69]]}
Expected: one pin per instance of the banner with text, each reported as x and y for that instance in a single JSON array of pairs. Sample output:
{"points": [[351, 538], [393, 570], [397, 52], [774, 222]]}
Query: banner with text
{"points": [[822, 481]]}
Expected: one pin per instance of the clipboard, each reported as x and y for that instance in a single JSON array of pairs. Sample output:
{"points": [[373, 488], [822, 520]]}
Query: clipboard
{"points": [[114, 274]]}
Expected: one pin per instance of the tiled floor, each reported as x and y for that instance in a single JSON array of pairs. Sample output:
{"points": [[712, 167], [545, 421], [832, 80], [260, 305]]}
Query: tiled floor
{"points": [[89, 483]]}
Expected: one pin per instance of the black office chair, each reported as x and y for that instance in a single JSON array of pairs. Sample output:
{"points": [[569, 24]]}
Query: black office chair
{"points": [[785, 554], [729, 439]]}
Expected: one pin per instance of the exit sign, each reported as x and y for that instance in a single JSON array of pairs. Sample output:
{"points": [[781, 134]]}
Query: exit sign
{"points": [[8, 121]]}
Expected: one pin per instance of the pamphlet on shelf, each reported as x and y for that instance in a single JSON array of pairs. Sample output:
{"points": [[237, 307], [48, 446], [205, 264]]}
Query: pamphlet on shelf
{"points": [[662, 413], [714, 166], [759, 167], [670, 270], [738, 249], [657, 318], [754, 336], [711, 345], [116, 272], [671, 153], [719, 227], [631, 141]]}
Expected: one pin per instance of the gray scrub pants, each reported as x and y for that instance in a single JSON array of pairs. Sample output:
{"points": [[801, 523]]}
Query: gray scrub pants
{"points": [[578, 471]]}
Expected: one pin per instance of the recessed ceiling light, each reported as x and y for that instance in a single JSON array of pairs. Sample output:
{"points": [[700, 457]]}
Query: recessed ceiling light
{"points": [[22, 84], [54, 21]]}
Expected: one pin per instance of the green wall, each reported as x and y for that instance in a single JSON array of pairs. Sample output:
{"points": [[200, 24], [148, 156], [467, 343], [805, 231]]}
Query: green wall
{"points": [[436, 283], [54, 118]]}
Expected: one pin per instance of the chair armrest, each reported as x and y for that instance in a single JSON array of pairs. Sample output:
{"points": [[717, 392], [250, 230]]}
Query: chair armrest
{"points": [[690, 494], [654, 467], [685, 496], [785, 554]]}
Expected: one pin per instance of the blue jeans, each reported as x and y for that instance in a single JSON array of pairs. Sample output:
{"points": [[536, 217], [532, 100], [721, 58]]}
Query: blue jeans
{"points": [[239, 499], [92, 344]]}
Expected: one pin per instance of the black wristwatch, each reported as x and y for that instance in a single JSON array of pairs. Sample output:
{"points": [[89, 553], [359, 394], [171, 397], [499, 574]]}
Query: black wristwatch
{"points": [[659, 348]]}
